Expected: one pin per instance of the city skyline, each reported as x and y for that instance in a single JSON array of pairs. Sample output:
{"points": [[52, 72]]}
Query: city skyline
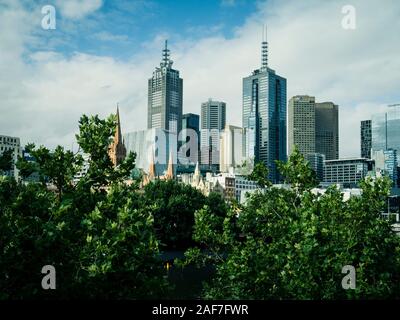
{"points": [[50, 99]]}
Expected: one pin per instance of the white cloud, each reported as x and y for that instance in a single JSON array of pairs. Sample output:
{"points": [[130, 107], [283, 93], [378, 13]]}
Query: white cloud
{"points": [[228, 3], [107, 36], [77, 9], [356, 69]]}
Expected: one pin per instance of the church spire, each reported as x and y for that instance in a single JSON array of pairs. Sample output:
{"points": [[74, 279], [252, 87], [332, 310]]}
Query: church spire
{"points": [[264, 49], [118, 134], [117, 150], [152, 167], [170, 170]]}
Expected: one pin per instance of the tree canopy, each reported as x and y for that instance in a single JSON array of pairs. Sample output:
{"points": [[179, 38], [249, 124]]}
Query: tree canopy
{"points": [[293, 243], [102, 244]]}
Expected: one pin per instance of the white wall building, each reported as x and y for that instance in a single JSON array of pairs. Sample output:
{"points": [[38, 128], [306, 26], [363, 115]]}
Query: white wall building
{"points": [[11, 143], [231, 148]]}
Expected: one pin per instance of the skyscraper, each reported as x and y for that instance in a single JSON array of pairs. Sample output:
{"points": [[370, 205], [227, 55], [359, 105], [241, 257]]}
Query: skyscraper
{"points": [[213, 119], [165, 96], [385, 130], [301, 124], [264, 115], [327, 130], [117, 150], [366, 139], [191, 131]]}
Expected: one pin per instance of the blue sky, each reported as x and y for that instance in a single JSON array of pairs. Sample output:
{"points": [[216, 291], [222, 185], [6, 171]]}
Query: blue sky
{"points": [[120, 28], [103, 52]]}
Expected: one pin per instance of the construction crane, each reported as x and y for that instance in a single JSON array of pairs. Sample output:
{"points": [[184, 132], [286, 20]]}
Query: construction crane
{"points": [[394, 105]]}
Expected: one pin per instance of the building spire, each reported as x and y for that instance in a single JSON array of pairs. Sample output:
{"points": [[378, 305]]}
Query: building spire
{"points": [[117, 150], [166, 60], [170, 170], [118, 134], [152, 167], [264, 49]]}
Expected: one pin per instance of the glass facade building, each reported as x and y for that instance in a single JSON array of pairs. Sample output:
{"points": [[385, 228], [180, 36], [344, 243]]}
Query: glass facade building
{"points": [[264, 118], [191, 130], [386, 163], [327, 130], [385, 130], [316, 162]]}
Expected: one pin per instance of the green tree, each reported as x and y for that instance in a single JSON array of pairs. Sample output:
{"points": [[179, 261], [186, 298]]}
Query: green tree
{"points": [[174, 205], [58, 167], [293, 243], [260, 175], [6, 160], [96, 233]]}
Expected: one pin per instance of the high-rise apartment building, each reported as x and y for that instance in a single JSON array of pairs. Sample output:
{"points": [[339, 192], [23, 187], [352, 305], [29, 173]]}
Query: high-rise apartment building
{"points": [[301, 124], [213, 120], [165, 96], [366, 139], [264, 115], [327, 130]]}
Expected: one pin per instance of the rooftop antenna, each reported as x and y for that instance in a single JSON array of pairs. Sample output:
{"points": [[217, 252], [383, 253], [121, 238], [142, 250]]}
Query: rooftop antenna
{"points": [[166, 61], [264, 49]]}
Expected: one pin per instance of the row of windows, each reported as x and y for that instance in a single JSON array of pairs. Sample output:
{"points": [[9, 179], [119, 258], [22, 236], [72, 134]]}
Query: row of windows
{"points": [[8, 139], [2, 148]]}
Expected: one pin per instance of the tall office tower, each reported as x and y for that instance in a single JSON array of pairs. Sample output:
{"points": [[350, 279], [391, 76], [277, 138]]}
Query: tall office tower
{"points": [[117, 150], [191, 136], [366, 139], [264, 115], [165, 96], [327, 130], [14, 145], [301, 124], [231, 146], [213, 119], [385, 130]]}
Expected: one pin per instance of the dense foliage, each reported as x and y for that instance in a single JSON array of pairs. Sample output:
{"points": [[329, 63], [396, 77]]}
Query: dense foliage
{"points": [[173, 206], [106, 238], [6, 163], [291, 243], [102, 244]]}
